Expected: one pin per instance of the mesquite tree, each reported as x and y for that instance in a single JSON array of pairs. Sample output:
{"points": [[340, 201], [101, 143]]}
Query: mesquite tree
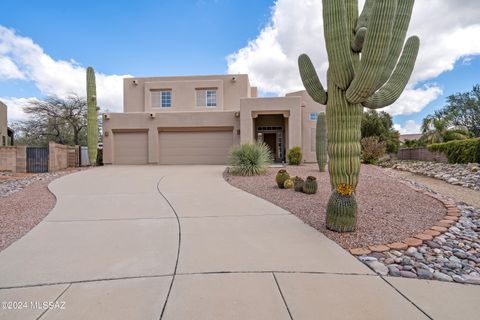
{"points": [[367, 68], [92, 116]]}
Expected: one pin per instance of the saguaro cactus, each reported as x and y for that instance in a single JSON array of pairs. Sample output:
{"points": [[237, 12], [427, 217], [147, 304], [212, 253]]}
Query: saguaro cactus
{"points": [[367, 68], [321, 142], [92, 116]]}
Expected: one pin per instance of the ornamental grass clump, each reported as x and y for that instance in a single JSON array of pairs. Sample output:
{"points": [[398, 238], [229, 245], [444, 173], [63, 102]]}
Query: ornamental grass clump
{"points": [[250, 159]]}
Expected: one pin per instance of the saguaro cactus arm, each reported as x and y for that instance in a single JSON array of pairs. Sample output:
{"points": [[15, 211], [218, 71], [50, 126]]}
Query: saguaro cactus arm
{"points": [[400, 27], [375, 51], [92, 116], [362, 21], [359, 39], [392, 90], [310, 80], [337, 40]]}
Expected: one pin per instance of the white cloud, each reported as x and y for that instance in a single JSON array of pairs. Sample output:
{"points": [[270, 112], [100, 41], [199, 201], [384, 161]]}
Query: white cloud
{"points": [[21, 58], [410, 127], [448, 33]]}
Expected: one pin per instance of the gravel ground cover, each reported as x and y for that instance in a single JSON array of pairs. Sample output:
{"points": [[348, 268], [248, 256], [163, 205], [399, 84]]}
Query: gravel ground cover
{"points": [[453, 256], [24, 202], [389, 211], [465, 175]]}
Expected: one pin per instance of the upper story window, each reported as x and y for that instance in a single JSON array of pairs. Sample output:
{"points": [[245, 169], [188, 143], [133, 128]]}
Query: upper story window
{"points": [[313, 116], [161, 98], [206, 97]]}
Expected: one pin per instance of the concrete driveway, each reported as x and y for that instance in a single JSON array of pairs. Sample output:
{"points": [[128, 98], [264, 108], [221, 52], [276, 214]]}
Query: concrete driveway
{"points": [[178, 242]]}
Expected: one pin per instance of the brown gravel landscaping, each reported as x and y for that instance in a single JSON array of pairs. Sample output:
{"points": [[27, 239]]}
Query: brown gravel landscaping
{"points": [[24, 209], [388, 210]]}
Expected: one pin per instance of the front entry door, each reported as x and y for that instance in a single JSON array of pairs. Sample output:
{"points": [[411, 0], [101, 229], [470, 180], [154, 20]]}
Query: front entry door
{"points": [[270, 140]]}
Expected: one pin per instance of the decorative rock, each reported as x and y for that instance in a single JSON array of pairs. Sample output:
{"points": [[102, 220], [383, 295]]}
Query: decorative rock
{"points": [[378, 248], [397, 246], [471, 279], [411, 251], [378, 267], [424, 237], [408, 274], [413, 242], [433, 244], [449, 222], [458, 279], [393, 271], [460, 254], [367, 258], [451, 218], [424, 274], [360, 251], [442, 276], [443, 224]]}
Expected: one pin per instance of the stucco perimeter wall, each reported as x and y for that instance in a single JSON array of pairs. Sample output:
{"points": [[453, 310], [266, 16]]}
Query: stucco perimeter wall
{"points": [[231, 88], [3, 123], [13, 159], [308, 126], [119, 122]]}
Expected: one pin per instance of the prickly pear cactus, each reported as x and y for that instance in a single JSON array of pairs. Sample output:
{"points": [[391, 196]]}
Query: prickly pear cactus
{"points": [[367, 69], [281, 176], [92, 116], [321, 142]]}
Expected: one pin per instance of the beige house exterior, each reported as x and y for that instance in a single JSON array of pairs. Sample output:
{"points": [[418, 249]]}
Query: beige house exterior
{"points": [[6, 134], [197, 120]]}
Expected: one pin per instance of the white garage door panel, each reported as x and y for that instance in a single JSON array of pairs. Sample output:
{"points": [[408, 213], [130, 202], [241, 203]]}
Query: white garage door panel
{"points": [[194, 147], [130, 148]]}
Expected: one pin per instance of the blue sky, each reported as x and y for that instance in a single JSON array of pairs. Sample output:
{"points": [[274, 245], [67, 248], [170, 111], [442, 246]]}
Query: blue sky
{"points": [[155, 38]]}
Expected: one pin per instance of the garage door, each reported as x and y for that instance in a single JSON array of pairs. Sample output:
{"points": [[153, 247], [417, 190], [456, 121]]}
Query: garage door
{"points": [[194, 147], [130, 148]]}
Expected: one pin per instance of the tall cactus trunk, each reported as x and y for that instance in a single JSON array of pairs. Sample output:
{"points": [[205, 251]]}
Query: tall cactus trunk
{"points": [[92, 116], [343, 123], [321, 142]]}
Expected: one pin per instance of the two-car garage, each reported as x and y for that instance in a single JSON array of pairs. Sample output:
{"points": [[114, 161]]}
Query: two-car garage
{"points": [[196, 145]]}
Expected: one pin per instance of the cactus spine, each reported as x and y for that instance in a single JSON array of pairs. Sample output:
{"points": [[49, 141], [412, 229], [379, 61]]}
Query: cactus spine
{"points": [[92, 116], [374, 79], [321, 142]]}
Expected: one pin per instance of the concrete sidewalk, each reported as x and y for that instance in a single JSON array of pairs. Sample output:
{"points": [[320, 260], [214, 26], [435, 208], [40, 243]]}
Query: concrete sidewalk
{"points": [[178, 242]]}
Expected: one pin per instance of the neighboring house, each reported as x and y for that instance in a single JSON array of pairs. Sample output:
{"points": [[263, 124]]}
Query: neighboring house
{"points": [[6, 134], [409, 137], [197, 119]]}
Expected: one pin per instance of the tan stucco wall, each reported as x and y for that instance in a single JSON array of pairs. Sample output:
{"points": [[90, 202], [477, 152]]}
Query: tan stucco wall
{"points": [[3, 124], [143, 121], [231, 88], [308, 126], [290, 107]]}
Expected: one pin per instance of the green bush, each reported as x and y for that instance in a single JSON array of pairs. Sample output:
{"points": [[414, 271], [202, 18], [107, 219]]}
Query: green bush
{"points": [[250, 159], [460, 151], [372, 149], [295, 156]]}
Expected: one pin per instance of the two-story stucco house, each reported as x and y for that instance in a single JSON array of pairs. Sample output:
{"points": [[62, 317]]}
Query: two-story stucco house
{"points": [[197, 119]]}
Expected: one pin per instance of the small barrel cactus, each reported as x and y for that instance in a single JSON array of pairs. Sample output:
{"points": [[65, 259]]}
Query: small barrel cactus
{"points": [[310, 185], [344, 205], [282, 175], [288, 184], [298, 184]]}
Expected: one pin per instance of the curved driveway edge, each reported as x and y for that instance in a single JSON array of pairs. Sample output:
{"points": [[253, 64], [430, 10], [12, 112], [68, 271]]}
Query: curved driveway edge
{"points": [[111, 249]]}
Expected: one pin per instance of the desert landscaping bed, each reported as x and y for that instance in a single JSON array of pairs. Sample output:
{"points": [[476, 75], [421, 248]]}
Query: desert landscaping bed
{"points": [[24, 201], [388, 211]]}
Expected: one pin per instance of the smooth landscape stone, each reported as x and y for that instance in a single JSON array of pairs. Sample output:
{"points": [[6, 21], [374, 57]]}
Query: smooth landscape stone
{"points": [[393, 271], [378, 267], [442, 276], [424, 274], [408, 274]]}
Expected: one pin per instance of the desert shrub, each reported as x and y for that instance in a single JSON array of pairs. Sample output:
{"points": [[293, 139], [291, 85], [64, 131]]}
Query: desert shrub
{"points": [[372, 149], [460, 151], [250, 159], [295, 156]]}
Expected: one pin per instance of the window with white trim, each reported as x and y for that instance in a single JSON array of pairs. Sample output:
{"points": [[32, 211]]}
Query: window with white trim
{"points": [[161, 98], [206, 98]]}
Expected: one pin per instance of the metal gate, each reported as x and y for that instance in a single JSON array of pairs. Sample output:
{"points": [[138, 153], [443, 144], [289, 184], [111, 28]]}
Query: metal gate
{"points": [[37, 160]]}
